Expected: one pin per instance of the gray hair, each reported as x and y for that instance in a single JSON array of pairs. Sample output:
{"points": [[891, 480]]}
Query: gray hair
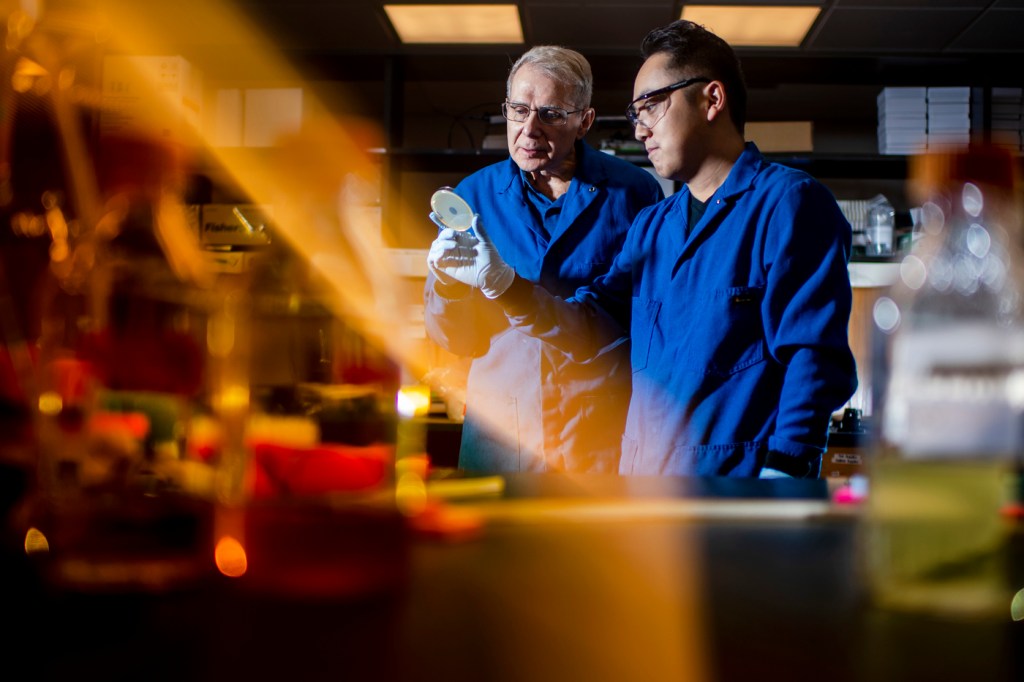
{"points": [[562, 65]]}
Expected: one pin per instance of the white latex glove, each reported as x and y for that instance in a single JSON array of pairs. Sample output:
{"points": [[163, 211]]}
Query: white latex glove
{"points": [[772, 473], [445, 240], [470, 257]]}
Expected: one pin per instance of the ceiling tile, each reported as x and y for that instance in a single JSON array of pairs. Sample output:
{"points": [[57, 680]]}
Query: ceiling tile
{"points": [[889, 30], [315, 25], [812, 3], [908, 4], [454, 68], [584, 7], [594, 26], [996, 30]]}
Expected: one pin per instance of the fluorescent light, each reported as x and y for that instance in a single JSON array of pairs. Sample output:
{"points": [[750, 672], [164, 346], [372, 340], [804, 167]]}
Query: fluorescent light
{"points": [[456, 23], [749, 25]]}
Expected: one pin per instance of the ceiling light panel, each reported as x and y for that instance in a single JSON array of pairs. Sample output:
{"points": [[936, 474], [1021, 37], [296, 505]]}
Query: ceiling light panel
{"points": [[463, 24], [750, 25]]}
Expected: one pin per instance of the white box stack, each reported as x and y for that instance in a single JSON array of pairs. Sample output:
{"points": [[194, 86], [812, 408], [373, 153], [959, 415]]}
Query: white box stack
{"points": [[902, 120], [1008, 118], [949, 117]]}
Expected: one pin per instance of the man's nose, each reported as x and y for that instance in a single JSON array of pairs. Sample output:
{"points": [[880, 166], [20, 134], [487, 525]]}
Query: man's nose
{"points": [[532, 123]]}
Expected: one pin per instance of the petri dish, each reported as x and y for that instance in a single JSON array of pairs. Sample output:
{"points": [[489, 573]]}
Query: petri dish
{"points": [[452, 209]]}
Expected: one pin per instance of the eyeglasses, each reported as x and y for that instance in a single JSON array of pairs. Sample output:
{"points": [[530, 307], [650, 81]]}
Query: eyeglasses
{"points": [[654, 104], [552, 116]]}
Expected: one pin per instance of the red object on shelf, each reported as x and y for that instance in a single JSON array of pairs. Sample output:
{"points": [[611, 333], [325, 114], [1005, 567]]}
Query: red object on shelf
{"points": [[70, 378], [327, 468], [135, 424]]}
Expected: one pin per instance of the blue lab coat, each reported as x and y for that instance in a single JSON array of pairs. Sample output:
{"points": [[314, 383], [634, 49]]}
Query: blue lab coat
{"points": [[738, 323], [528, 406]]}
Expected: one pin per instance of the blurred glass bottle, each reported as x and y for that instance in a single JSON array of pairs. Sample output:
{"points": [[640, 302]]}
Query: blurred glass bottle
{"points": [[121, 371], [951, 354], [881, 220]]}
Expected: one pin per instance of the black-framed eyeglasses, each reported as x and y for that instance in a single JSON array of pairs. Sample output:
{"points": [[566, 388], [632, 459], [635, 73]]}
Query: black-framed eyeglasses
{"points": [[649, 108], [552, 116]]}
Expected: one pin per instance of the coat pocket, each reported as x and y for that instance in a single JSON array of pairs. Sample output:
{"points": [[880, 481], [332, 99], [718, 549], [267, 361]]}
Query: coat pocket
{"points": [[726, 333], [644, 317]]}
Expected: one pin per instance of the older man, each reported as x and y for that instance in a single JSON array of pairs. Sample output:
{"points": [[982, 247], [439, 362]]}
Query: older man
{"points": [[559, 212]]}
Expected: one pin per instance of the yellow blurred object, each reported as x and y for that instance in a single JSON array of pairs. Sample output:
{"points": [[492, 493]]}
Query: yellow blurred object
{"points": [[466, 488], [416, 464], [410, 494], [36, 542], [413, 401], [291, 430], [50, 403]]}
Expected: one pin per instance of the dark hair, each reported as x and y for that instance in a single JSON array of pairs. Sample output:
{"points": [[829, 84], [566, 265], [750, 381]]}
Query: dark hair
{"points": [[701, 53]]}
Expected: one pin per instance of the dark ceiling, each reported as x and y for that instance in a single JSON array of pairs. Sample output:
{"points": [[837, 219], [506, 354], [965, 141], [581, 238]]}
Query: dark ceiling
{"points": [[876, 42], [853, 49], [853, 44], [889, 32]]}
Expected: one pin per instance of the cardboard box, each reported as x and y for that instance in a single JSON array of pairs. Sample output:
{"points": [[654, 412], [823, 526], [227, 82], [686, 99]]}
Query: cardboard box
{"points": [[781, 136]]}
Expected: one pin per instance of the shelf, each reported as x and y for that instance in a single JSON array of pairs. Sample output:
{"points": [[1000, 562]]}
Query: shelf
{"points": [[857, 166], [400, 152], [440, 160], [873, 166]]}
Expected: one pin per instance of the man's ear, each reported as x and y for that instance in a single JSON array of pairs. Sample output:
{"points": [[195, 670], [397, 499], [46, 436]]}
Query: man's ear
{"points": [[588, 117], [714, 92]]}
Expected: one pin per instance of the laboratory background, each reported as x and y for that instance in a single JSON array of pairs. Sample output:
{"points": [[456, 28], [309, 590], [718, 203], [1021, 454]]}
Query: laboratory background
{"points": [[229, 449]]}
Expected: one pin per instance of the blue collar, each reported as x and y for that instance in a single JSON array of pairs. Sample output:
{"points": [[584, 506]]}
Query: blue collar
{"points": [[741, 175]]}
